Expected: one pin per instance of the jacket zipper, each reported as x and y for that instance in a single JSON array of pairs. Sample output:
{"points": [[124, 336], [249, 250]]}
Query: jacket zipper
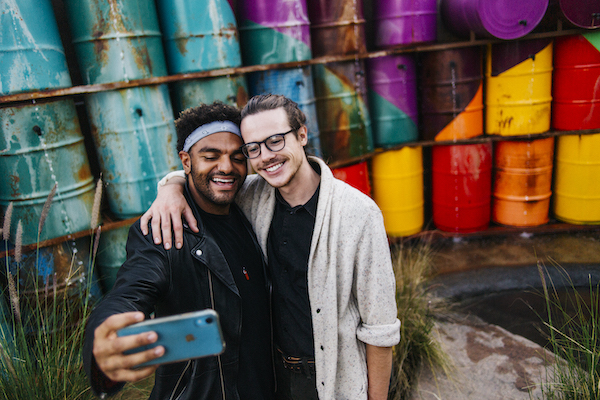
{"points": [[212, 303]]}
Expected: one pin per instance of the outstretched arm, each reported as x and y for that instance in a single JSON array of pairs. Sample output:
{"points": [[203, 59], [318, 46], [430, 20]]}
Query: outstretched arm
{"points": [[167, 212]]}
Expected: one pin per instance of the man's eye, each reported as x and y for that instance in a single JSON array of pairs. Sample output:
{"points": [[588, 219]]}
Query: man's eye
{"points": [[275, 141]]}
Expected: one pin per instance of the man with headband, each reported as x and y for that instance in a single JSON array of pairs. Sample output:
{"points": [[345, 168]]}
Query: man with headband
{"points": [[220, 266]]}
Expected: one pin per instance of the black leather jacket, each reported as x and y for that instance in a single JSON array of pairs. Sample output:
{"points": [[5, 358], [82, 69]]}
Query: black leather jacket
{"points": [[171, 282]]}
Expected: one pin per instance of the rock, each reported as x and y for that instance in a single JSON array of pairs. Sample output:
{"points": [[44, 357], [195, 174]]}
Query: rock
{"points": [[488, 362]]}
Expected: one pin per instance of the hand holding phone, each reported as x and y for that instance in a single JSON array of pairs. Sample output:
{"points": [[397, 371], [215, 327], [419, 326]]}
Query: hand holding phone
{"points": [[184, 336]]}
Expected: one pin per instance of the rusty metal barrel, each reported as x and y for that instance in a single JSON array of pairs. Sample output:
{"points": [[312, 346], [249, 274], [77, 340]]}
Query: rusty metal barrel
{"points": [[297, 85], [41, 144], [575, 91], [111, 255], [404, 22], [337, 27], [274, 31], [202, 36], [392, 82], [522, 183], [451, 94], [518, 87], [342, 109]]}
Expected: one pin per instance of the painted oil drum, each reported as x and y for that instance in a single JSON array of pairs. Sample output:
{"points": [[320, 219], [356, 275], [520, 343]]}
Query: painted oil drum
{"points": [[116, 40], [135, 138], [342, 110], [57, 273], [462, 187], [355, 175], [397, 177], [582, 13], [576, 82], [31, 52], [337, 27], [111, 255], [297, 85], [451, 85], [398, 22], [42, 146], [392, 83], [523, 181], [274, 31], [519, 87], [199, 35], [230, 90], [506, 19], [576, 189]]}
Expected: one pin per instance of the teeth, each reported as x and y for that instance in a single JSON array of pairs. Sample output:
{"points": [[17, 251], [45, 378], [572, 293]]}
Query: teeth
{"points": [[274, 167], [221, 180]]}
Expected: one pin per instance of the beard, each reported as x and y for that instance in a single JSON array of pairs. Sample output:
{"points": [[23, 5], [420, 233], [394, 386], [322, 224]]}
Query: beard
{"points": [[202, 184]]}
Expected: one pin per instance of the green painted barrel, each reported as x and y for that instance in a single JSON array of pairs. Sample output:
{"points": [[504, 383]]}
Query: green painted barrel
{"points": [[111, 255]]}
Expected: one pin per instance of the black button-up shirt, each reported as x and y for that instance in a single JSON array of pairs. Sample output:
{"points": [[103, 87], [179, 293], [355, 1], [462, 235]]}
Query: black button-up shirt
{"points": [[288, 250]]}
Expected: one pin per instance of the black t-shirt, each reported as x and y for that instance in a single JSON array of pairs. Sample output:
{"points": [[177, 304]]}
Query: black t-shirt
{"points": [[255, 379], [288, 247]]}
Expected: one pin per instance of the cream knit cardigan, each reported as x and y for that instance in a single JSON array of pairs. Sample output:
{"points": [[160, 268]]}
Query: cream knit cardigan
{"points": [[351, 283]]}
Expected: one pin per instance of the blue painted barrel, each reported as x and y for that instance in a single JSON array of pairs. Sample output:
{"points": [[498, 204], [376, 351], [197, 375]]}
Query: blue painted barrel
{"points": [[274, 31], [116, 40], [392, 85], [134, 134], [111, 255], [342, 109], [31, 53], [404, 22], [297, 85], [41, 145]]}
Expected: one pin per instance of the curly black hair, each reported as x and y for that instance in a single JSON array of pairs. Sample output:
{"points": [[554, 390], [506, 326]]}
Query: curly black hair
{"points": [[193, 117]]}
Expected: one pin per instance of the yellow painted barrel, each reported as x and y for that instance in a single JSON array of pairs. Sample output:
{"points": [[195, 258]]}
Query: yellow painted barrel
{"points": [[523, 181], [519, 87], [397, 178], [576, 187]]}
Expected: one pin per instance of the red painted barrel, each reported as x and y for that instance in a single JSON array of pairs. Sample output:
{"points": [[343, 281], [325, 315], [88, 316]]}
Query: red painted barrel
{"points": [[576, 82], [356, 175], [461, 187]]}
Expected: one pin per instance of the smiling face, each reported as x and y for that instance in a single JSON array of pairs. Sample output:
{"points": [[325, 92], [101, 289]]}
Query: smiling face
{"points": [[216, 169], [281, 167]]}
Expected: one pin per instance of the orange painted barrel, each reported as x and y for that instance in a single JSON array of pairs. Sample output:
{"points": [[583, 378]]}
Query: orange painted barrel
{"points": [[398, 189], [576, 187], [356, 175], [523, 181]]}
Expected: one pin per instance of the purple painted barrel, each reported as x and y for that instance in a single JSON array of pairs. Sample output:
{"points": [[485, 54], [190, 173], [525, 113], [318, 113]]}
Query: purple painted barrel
{"points": [[401, 22], [582, 13], [503, 19], [337, 27], [274, 31]]}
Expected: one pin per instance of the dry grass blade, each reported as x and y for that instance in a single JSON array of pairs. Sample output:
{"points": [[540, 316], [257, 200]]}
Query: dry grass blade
{"points": [[6, 225], [96, 207], [46, 208], [19, 242]]}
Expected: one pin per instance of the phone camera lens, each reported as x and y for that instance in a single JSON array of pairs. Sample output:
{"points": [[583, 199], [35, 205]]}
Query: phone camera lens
{"points": [[209, 320]]}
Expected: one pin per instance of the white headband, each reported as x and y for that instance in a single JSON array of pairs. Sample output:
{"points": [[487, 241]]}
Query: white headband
{"points": [[208, 129]]}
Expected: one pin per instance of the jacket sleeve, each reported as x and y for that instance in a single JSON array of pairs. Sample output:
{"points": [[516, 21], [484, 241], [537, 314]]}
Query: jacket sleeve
{"points": [[375, 283], [141, 281]]}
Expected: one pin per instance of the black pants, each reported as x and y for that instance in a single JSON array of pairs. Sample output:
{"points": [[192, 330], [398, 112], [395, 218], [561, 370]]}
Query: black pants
{"points": [[295, 385]]}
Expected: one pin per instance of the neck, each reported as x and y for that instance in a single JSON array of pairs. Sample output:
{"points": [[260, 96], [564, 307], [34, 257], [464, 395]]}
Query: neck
{"points": [[302, 187]]}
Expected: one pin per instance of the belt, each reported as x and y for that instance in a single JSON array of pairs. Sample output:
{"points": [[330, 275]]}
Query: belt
{"points": [[297, 364]]}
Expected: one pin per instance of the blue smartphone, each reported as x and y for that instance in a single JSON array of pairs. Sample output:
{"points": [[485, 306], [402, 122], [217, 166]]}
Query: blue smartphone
{"points": [[184, 336]]}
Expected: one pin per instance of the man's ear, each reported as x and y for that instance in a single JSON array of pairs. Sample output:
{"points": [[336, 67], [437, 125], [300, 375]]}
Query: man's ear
{"points": [[303, 135], [185, 161]]}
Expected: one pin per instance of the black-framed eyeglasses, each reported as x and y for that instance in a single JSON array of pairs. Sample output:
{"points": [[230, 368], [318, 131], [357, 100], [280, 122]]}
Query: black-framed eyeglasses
{"points": [[274, 142]]}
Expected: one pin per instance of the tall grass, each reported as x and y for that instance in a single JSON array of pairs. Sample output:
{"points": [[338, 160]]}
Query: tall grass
{"points": [[41, 334], [413, 266], [574, 336]]}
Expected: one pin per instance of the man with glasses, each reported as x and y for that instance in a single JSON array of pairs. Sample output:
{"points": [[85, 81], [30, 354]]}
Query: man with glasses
{"points": [[334, 311]]}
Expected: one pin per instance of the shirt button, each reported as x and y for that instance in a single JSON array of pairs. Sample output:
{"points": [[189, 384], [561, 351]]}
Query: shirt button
{"points": [[198, 252]]}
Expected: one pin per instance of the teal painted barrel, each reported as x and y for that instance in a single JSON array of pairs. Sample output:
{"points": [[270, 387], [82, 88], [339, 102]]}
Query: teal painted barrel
{"points": [[342, 108], [111, 255], [41, 145], [134, 134], [31, 53], [230, 90], [297, 85], [116, 40]]}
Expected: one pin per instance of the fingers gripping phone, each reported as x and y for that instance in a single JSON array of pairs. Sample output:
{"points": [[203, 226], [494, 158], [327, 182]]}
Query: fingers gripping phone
{"points": [[184, 336]]}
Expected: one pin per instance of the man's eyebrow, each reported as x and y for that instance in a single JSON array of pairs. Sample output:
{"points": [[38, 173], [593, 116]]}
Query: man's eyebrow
{"points": [[209, 150]]}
